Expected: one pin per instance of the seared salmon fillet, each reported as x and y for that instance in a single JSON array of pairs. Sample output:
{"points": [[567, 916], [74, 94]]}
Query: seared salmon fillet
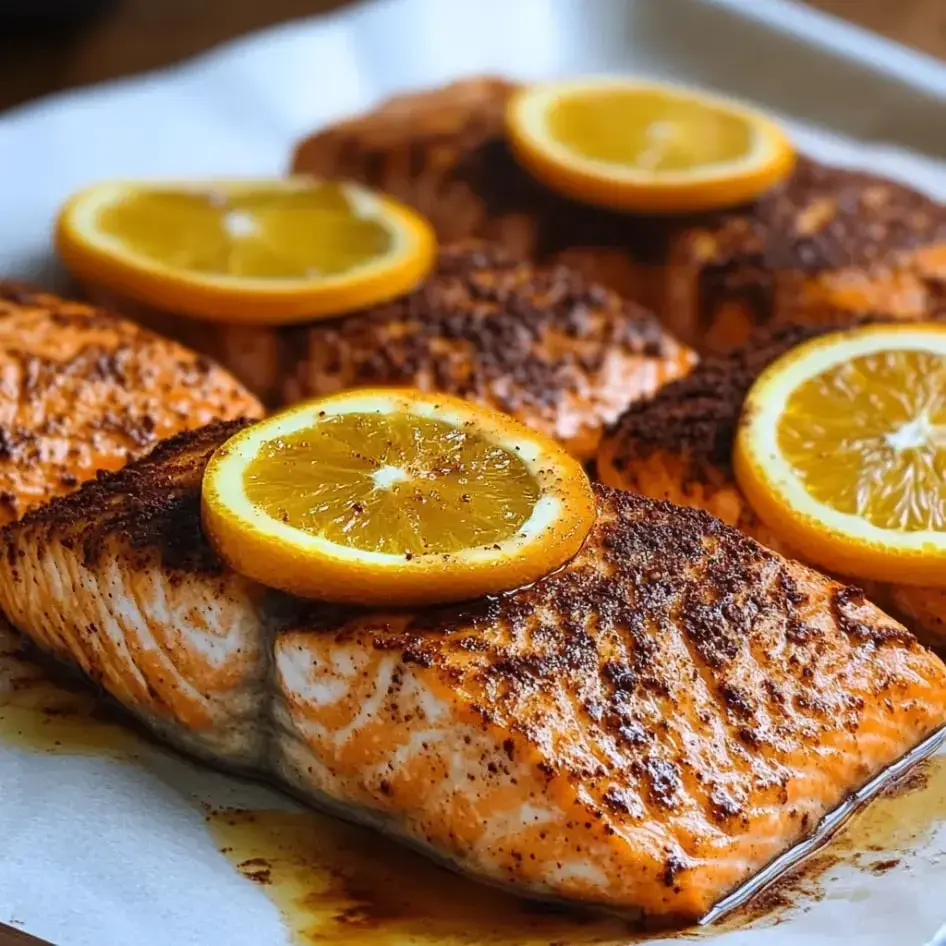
{"points": [[443, 152], [82, 390], [564, 356], [643, 729], [826, 243], [539, 343], [678, 446]]}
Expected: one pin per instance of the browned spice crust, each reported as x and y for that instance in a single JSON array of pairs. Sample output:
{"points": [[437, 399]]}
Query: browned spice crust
{"points": [[84, 389], [487, 326], [825, 218], [601, 631]]}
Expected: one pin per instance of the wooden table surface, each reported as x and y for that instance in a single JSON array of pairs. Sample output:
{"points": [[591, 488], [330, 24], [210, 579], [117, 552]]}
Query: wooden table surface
{"points": [[137, 35]]}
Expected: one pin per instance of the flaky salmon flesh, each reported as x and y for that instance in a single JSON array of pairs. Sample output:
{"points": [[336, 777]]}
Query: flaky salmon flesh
{"points": [[643, 729], [678, 446], [826, 243], [541, 343]]}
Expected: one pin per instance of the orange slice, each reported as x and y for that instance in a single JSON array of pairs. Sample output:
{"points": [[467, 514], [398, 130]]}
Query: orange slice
{"points": [[841, 450], [260, 252], [647, 147], [391, 497]]}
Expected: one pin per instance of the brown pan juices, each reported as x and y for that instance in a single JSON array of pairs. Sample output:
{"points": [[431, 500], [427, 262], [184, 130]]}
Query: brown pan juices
{"points": [[40, 715], [335, 883], [341, 884]]}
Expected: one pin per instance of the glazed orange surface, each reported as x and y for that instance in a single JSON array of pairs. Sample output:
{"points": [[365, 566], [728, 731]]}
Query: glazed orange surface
{"points": [[268, 235], [385, 484]]}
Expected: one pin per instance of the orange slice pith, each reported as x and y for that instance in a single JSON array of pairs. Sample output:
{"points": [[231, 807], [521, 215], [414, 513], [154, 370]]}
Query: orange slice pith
{"points": [[842, 451], [392, 497], [259, 252], [632, 145]]}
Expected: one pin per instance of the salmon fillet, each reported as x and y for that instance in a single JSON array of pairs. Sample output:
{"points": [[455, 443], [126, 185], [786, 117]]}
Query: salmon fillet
{"points": [[643, 729], [82, 390], [164, 627], [563, 356], [443, 152], [827, 245], [827, 242], [678, 446]]}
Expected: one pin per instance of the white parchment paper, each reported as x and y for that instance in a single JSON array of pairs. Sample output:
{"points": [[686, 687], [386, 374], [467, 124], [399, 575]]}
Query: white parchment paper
{"points": [[110, 848]]}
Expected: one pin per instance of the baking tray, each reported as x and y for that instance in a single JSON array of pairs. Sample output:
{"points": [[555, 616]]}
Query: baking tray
{"points": [[98, 849]]}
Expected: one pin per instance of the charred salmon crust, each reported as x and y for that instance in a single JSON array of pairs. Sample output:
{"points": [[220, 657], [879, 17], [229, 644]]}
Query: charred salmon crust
{"points": [[678, 446], [82, 390], [164, 520], [442, 151], [643, 729], [827, 245], [826, 242]]}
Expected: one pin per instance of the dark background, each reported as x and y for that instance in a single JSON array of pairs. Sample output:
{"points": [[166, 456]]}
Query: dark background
{"points": [[130, 36]]}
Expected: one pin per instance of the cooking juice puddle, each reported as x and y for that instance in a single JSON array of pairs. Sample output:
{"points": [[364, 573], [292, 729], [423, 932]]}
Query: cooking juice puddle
{"points": [[338, 884], [42, 716]]}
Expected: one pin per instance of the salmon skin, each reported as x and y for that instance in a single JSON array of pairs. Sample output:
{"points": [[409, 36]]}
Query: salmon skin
{"points": [[678, 446], [827, 242], [642, 730], [82, 390], [541, 343]]}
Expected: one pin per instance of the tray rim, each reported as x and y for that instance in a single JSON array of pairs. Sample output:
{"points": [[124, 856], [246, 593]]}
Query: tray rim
{"points": [[829, 34]]}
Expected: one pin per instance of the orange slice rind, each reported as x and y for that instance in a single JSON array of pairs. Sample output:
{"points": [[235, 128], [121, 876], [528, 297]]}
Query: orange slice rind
{"points": [[264, 252], [645, 147], [394, 497], [841, 450]]}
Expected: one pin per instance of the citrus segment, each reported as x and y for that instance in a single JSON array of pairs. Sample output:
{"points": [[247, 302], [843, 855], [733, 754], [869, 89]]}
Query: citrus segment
{"points": [[881, 419], [648, 130], [382, 482], [264, 252], [842, 451], [395, 497], [646, 147]]}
